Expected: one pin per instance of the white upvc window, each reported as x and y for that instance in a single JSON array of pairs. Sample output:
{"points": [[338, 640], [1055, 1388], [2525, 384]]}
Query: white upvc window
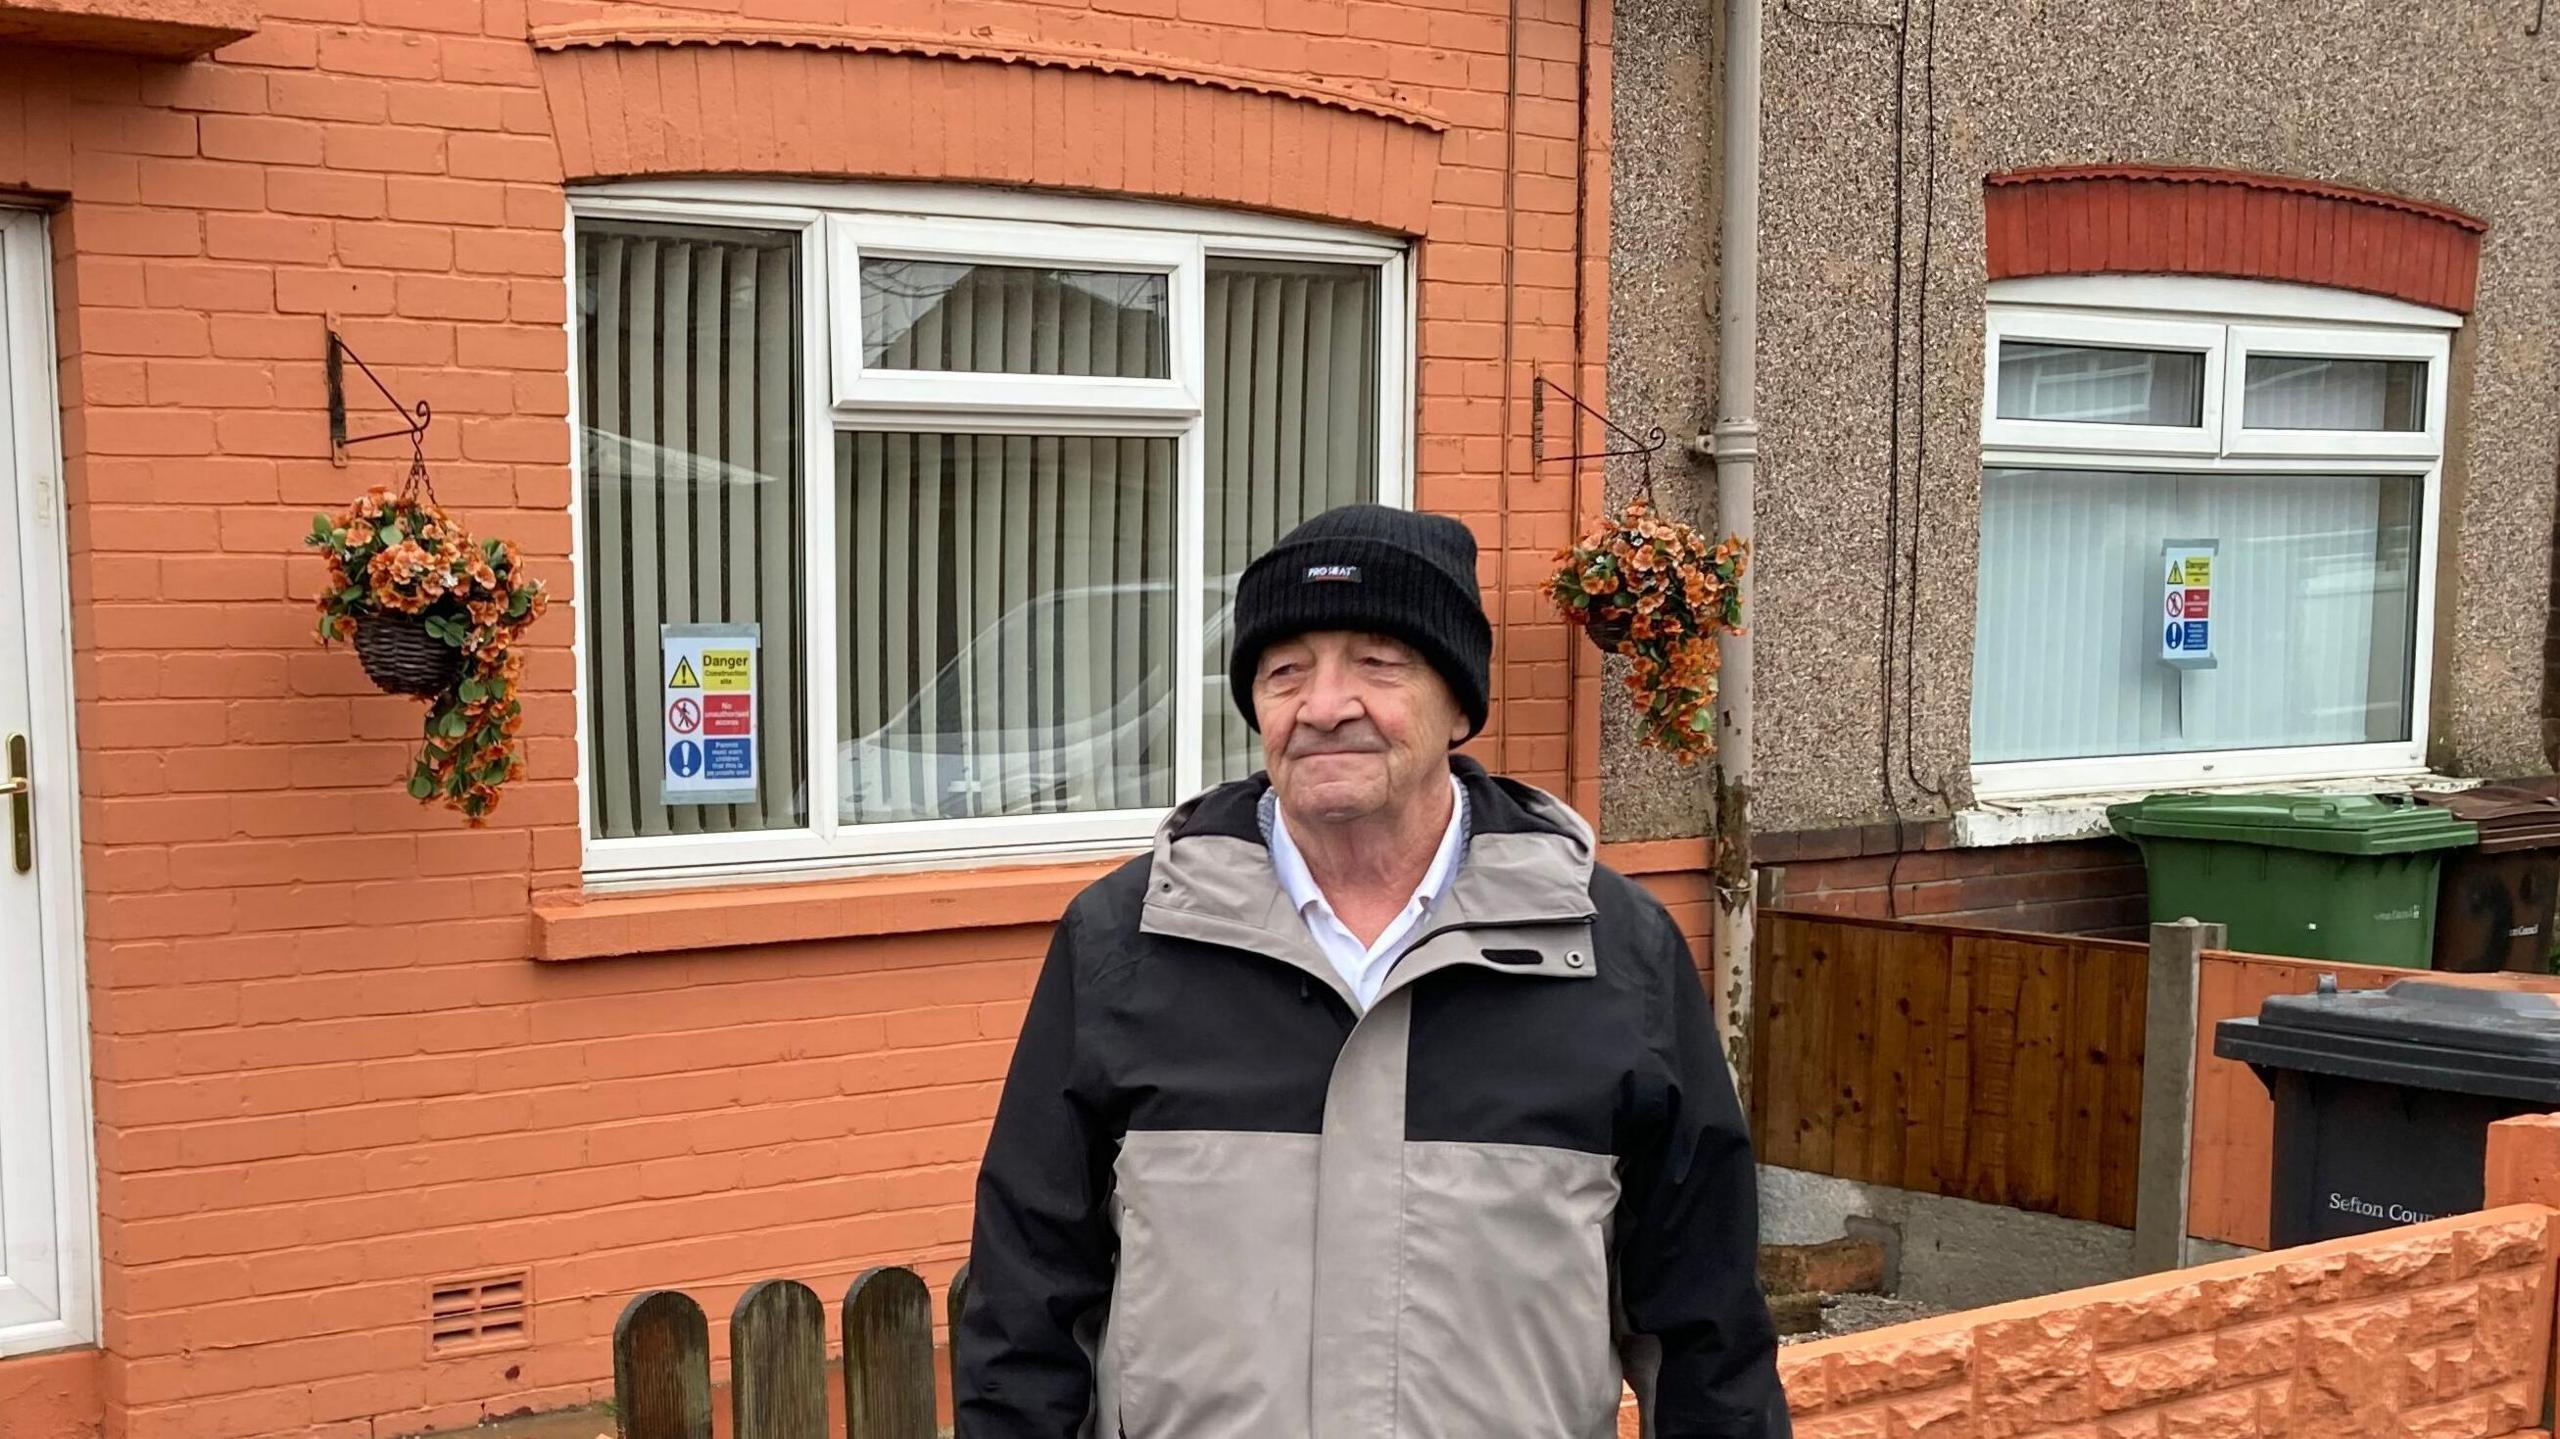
{"points": [[967, 478], [2281, 444]]}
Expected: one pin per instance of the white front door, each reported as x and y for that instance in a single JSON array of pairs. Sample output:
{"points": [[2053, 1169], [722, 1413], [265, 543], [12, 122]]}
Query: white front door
{"points": [[48, 1271]]}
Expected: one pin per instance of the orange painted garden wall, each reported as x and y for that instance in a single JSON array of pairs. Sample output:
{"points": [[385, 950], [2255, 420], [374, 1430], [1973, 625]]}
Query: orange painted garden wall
{"points": [[2442, 1329], [331, 1065]]}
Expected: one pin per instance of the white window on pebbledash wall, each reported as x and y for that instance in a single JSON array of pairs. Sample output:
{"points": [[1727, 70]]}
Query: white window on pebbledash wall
{"points": [[949, 489], [2282, 444]]}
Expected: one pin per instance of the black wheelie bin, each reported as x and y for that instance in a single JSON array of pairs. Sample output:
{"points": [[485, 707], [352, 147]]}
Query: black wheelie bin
{"points": [[2384, 1098]]}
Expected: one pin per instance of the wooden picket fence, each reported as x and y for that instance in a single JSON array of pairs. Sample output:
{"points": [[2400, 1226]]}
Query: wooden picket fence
{"points": [[778, 1362]]}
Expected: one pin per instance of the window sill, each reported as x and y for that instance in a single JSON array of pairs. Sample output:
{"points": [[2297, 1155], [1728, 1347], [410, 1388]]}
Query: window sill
{"points": [[2033, 820], [569, 927], [150, 29]]}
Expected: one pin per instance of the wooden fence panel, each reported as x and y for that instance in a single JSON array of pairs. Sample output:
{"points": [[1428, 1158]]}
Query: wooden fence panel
{"points": [[778, 1362], [1852, 995], [2005, 1068], [1889, 1062], [2088, 1012], [662, 1368], [1924, 1063], [1991, 1101], [2121, 1145], [888, 1356]]}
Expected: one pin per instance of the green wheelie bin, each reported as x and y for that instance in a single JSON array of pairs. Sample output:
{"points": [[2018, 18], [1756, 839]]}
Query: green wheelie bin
{"points": [[2319, 876]]}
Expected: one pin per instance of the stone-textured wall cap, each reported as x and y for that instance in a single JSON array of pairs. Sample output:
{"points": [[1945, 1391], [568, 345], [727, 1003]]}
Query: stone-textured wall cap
{"points": [[153, 29]]}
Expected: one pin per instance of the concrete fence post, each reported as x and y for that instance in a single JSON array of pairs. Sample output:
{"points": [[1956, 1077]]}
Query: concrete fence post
{"points": [[2169, 1042]]}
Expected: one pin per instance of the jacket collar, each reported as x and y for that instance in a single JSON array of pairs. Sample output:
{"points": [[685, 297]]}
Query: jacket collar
{"points": [[1527, 870]]}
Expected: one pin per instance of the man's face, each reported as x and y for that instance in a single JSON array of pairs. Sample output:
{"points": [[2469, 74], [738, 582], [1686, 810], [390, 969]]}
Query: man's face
{"points": [[1353, 725]]}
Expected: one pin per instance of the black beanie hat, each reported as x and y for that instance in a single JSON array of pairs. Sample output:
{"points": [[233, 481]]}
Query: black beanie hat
{"points": [[1378, 570]]}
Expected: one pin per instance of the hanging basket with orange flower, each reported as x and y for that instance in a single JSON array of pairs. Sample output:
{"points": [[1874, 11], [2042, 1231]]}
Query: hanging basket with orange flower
{"points": [[1658, 592], [434, 614]]}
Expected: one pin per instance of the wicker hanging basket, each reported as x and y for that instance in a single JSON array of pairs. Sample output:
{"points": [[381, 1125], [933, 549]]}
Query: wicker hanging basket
{"points": [[1606, 635], [401, 658]]}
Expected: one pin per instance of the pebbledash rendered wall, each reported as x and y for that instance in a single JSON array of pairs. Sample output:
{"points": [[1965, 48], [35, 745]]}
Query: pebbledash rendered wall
{"points": [[345, 1049], [2428, 102], [2434, 103]]}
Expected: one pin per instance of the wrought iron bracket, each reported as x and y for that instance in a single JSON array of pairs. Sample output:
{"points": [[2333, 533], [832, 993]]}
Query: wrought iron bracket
{"points": [[417, 417], [1644, 447]]}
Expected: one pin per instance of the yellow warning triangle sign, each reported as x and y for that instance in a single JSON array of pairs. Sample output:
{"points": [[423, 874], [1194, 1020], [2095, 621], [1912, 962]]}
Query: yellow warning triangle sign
{"points": [[2177, 573], [683, 678]]}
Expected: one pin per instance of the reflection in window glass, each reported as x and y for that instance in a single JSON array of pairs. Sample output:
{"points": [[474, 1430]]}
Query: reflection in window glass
{"points": [[2089, 385], [690, 453], [2315, 594], [2294, 392], [1014, 320], [1006, 607]]}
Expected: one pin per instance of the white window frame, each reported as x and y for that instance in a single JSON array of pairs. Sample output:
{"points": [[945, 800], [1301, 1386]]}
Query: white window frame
{"points": [[2174, 313], [2104, 332], [836, 225], [1181, 259], [2333, 342]]}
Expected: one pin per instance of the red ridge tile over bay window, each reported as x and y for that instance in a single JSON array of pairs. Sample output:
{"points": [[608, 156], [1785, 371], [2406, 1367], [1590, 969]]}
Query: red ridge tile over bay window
{"points": [[2155, 220]]}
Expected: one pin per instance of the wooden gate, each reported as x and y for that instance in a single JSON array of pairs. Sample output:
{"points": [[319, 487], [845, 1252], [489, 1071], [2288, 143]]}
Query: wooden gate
{"points": [[778, 1362]]}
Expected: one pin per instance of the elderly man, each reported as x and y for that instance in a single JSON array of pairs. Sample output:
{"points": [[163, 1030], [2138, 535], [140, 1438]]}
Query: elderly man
{"points": [[1367, 1106]]}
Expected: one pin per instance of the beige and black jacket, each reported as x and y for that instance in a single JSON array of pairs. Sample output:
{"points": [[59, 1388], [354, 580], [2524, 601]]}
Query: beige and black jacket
{"points": [[1221, 1203]]}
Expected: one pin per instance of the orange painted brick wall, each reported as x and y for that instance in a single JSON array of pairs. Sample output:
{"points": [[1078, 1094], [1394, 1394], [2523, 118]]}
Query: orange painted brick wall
{"points": [[327, 1072], [52, 1396], [2440, 1329]]}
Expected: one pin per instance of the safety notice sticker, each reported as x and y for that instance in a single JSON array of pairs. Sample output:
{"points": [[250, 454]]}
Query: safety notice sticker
{"points": [[2187, 618], [710, 695]]}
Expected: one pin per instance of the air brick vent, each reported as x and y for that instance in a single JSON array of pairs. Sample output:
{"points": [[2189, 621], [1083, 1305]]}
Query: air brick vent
{"points": [[477, 1313]]}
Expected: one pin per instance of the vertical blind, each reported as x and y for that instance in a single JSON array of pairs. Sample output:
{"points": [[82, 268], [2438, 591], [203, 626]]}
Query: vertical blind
{"points": [[1007, 607], [2288, 392], [1292, 430], [1013, 319], [690, 368], [2315, 588], [1009, 600], [1005, 603], [2094, 385]]}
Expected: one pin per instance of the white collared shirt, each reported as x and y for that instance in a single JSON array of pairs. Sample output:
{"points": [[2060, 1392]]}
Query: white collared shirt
{"points": [[1364, 968]]}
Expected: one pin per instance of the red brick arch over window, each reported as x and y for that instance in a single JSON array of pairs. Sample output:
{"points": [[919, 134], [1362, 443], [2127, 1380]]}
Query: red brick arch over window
{"points": [[2149, 220], [735, 98]]}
